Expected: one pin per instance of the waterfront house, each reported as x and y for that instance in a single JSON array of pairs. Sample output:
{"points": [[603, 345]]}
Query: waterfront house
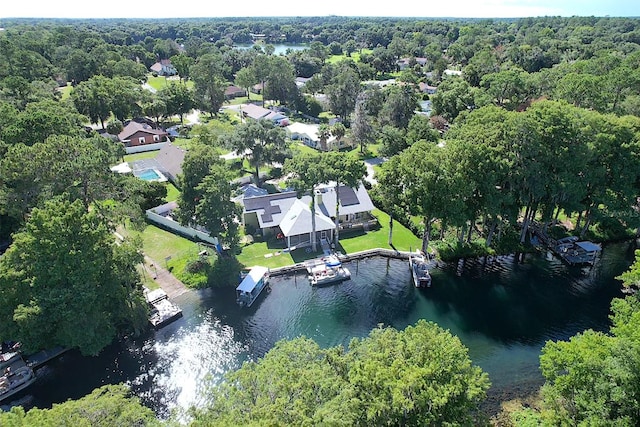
{"points": [[285, 215]]}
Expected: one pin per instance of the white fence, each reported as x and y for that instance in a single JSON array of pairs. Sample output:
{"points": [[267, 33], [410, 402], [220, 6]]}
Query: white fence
{"points": [[186, 231], [145, 148]]}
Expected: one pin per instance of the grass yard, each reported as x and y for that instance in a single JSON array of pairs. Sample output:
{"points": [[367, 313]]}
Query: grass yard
{"points": [[355, 56], [160, 82], [243, 99], [299, 148], [172, 193], [65, 91], [254, 254], [403, 240], [140, 156], [146, 279]]}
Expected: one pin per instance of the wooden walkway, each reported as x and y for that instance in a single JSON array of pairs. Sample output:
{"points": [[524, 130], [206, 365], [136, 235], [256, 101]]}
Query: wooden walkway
{"points": [[167, 281]]}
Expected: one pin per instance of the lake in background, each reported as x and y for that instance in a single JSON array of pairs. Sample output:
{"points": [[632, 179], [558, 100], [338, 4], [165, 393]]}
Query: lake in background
{"points": [[280, 49], [501, 309]]}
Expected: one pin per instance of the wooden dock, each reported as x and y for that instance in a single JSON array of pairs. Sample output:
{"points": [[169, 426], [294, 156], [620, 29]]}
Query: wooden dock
{"points": [[302, 266], [36, 360]]}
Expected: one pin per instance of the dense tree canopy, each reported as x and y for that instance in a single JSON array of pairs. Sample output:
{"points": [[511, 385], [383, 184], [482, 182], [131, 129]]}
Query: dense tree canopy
{"points": [[65, 282], [549, 158], [419, 376], [107, 406], [592, 379], [261, 142]]}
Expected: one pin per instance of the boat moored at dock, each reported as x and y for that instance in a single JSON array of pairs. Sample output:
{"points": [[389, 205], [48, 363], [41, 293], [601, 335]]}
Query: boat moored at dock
{"points": [[419, 270], [163, 311], [255, 281], [327, 270], [575, 252], [6, 359], [14, 381]]}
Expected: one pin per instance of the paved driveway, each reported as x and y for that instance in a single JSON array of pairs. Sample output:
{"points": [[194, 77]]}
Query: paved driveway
{"points": [[370, 163]]}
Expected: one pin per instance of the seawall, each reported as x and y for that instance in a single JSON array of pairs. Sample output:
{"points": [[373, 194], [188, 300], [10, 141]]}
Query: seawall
{"points": [[301, 266]]}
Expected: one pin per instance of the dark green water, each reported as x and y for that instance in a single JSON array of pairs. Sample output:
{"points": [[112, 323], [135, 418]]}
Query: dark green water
{"points": [[501, 309]]}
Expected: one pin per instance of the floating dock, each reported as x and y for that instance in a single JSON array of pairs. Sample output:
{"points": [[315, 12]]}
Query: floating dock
{"points": [[163, 311]]}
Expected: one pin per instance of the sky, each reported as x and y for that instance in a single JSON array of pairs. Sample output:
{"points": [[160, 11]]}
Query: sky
{"points": [[227, 8]]}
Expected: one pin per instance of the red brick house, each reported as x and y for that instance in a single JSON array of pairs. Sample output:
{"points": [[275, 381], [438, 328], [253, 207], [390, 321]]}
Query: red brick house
{"points": [[134, 134]]}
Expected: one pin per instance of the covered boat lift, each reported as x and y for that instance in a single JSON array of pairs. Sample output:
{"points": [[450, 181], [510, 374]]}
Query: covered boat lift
{"points": [[252, 285], [581, 253]]}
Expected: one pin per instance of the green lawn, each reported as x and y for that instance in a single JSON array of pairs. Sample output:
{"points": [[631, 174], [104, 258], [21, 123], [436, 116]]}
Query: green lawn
{"points": [[244, 100], [172, 193], [140, 156], [254, 254], [299, 148], [65, 91], [403, 240], [173, 252], [355, 56], [160, 82]]}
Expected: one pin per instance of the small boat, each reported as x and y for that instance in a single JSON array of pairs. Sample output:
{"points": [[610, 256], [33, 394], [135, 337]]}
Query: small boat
{"points": [[13, 382], [419, 270], [7, 358], [163, 311], [328, 270], [252, 285]]}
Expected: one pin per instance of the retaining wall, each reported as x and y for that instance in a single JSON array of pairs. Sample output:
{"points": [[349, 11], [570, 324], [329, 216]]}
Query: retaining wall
{"points": [[292, 269], [185, 231]]}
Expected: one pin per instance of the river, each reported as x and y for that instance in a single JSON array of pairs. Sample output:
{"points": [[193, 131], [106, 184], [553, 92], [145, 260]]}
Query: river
{"points": [[503, 310]]}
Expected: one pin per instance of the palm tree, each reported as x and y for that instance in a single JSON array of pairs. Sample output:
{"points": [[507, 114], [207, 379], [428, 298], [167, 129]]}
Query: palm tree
{"points": [[344, 170], [306, 173], [338, 130], [324, 133]]}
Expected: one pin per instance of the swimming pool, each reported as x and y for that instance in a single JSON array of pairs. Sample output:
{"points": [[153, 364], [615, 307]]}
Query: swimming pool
{"points": [[151, 175]]}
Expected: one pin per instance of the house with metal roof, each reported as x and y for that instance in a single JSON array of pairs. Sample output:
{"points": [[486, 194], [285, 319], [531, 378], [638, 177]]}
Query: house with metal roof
{"points": [[289, 216]]}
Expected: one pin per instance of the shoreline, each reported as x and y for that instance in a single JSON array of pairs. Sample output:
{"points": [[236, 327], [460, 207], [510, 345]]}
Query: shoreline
{"points": [[301, 266]]}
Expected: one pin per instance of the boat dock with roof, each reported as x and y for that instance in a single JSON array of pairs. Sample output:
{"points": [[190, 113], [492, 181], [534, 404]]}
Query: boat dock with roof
{"points": [[256, 280]]}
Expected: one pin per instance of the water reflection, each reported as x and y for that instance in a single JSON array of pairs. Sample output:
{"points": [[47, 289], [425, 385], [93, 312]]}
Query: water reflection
{"points": [[503, 309]]}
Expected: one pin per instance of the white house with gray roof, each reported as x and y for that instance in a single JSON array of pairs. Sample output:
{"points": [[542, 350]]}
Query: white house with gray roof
{"points": [[285, 214]]}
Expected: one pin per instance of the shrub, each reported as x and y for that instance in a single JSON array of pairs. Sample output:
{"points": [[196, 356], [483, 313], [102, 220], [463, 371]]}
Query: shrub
{"points": [[225, 272]]}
